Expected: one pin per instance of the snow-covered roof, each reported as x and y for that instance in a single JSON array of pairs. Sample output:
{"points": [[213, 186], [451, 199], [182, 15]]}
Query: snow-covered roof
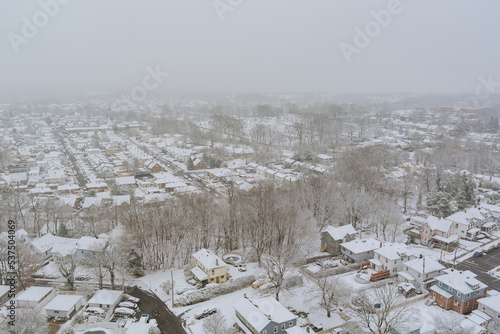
{"points": [[492, 302], [394, 251], [339, 233], [406, 275], [47, 242], [124, 180], [361, 246], [297, 330], [450, 239], [439, 224], [91, 243], [199, 274], [443, 293], [208, 259], [139, 328], [464, 216], [105, 297], [462, 281], [256, 312], [430, 265], [63, 303], [34, 293]]}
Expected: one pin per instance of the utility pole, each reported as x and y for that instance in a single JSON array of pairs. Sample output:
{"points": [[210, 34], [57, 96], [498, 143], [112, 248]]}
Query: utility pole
{"points": [[172, 275]]}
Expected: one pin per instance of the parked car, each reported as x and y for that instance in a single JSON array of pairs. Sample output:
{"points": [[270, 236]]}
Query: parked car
{"points": [[497, 245], [124, 311], [242, 269], [205, 313], [94, 310], [129, 298], [128, 304], [259, 282], [478, 254]]}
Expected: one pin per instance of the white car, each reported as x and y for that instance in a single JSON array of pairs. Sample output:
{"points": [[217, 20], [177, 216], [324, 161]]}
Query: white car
{"points": [[124, 311], [128, 305]]}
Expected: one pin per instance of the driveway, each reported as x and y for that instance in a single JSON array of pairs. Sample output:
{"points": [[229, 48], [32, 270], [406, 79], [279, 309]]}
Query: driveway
{"points": [[481, 265]]}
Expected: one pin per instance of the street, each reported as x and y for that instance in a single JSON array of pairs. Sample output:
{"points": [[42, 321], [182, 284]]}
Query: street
{"points": [[150, 304]]}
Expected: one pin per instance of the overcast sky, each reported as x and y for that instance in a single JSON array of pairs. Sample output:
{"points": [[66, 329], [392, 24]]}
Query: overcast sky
{"points": [[260, 46]]}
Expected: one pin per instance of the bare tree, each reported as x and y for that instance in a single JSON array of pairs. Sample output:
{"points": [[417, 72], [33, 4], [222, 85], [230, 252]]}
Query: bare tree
{"points": [[215, 324], [380, 309], [278, 263], [331, 291], [27, 321], [450, 323], [67, 267]]}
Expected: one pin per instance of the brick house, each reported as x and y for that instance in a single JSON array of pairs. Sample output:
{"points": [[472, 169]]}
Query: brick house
{"points": [[458, 291]]}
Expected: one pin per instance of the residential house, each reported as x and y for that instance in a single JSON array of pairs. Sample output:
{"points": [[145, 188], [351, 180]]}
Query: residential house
{"points": [[209, 267], [467, 223], [439, 231], [154, 166], [359, 251], [97, 186], [125, 182], [264, 316], [458, 291], [199, 164], [64, 306], [391, 257], [421, 272], [332, 237], [491, 306]]}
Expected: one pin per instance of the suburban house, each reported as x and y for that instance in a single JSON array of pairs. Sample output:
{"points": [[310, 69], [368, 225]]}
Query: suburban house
{"points": [[34, 296], [391, 257], [105, 299], [264, 316], [332, 237], [458, 291], [491, 306], [421, 272], [467, 223], [63, 306], [199, 164], [359, 251], [209, 267], [154, 166], [438, 231]]}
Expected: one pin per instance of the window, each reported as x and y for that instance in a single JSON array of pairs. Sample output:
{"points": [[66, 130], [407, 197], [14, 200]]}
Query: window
{"points": [[264, 331], [290, 324], [456, 303], [213, 272], [450, 288], [468, 295], [276, 329], [386, 260], [56, 311], [282, 327], [467, 304], [394, 270], [439, 283], [222, 276], [459, 294], [211, 280]]}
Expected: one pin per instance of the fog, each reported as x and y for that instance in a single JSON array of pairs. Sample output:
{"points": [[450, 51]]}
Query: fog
{"points": [[248, 46]]}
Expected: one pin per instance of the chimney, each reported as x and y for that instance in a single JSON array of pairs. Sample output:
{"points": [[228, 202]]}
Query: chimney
{"points": [[380, 245], [269, 317], [216, 262], [308, 330], [245, 295], [420, 256], [465, 211]]}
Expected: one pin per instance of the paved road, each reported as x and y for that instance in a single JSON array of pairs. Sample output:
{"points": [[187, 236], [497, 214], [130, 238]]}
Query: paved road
{"points": [[150, 304], [481, 266]]}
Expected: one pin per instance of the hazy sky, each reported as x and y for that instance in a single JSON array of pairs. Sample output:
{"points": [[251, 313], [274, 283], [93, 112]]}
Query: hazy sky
{"points": [[259, 46]]}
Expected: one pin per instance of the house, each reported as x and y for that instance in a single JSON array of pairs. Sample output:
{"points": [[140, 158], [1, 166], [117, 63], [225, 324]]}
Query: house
{"points": [[97, 186], [439, 231], [199, 164], [420, 272], [264, 316], [105, 299], [125, 182], [209, 267], [332, 237], [63, 306], [491, 306], [467, 223], [154, 166], [87, 246], [34, 296], [359, 251], [391, 258], [458, 291]]}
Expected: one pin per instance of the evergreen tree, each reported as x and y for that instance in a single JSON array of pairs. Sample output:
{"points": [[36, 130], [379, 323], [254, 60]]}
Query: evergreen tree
{"points": [[189, 164], [438, 204], [63, 231]]}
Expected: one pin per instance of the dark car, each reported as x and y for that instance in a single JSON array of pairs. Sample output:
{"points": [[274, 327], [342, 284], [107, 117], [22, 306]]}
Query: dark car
{"points": [[478, 254], [205, 313]]}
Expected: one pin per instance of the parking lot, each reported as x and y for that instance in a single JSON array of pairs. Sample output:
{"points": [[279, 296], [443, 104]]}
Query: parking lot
{"points": [[481, 266]]}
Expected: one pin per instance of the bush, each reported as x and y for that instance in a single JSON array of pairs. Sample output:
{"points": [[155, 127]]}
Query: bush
{"points": [[166, 286], [214, 290]]}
